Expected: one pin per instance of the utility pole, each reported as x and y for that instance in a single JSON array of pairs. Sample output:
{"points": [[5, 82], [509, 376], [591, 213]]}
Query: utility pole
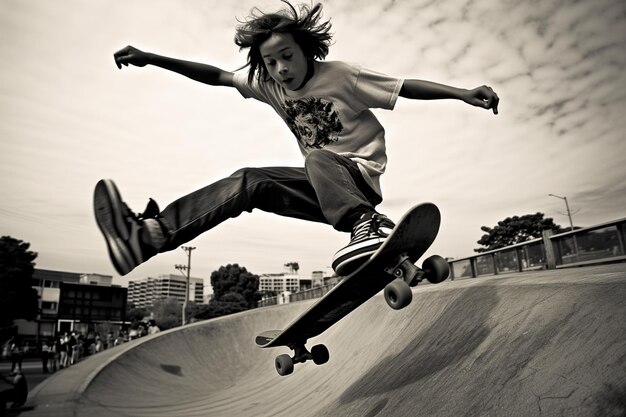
{"points": [[569, 213], [187, 268], [571, 223]]}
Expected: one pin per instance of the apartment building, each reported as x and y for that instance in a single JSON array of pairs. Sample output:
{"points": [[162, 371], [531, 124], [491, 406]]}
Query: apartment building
{"points": [[283, 282], [73, 301], [143, 292]]}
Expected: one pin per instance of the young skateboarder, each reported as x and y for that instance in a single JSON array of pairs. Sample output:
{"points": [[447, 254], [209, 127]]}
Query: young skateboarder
{"points": [[327, 107]]}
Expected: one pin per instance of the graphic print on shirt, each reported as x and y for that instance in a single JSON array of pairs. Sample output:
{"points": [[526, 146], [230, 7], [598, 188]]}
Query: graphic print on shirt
{"points": [[314, 121]]}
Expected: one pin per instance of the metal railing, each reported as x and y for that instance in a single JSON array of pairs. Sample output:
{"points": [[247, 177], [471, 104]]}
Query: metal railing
{"points": [[316, 292], [604, 242]]}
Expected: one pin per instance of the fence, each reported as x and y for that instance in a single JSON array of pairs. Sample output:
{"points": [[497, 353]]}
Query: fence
{"points": [[316, 292], [604, 242], [600, 243]]}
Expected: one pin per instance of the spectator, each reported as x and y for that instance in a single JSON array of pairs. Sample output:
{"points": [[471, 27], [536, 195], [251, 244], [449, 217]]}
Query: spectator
{"points": [[63, 351], [15, 348], [89, 341], [152, 327], [55, 354], [71, 352], [77, 349], [119, 339], [45, 356], [16, 395], [98, 344], [109, 341], [142, 328]]}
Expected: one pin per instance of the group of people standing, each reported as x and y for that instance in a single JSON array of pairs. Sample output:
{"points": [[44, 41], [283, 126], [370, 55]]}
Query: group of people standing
{"points": [[61, 351], [67, 349]]}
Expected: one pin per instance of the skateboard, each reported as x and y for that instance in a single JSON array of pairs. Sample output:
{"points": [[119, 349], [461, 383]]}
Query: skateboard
{"points": [[392, 268]]}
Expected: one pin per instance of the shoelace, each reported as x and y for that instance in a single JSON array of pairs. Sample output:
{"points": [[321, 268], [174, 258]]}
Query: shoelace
{"points": [[381, 222], [372, 227]]}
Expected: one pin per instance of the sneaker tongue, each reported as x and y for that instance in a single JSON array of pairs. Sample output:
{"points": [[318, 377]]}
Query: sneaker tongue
{"points": [[152, 210]]}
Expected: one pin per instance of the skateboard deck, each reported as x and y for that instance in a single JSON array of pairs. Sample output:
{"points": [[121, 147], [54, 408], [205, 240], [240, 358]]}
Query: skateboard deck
{"points": [[393, 261]]}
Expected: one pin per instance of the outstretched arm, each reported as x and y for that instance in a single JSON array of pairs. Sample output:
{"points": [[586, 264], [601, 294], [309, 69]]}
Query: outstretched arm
{"points": [[482, 96], [203, 73]]}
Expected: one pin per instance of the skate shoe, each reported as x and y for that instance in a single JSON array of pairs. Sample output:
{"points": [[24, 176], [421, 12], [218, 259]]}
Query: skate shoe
{"points": [[368, 235], [131, 238]]}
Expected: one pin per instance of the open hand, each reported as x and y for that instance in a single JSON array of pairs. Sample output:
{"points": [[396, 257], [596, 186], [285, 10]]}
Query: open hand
{"points": [[130, 55], [484, 97]]}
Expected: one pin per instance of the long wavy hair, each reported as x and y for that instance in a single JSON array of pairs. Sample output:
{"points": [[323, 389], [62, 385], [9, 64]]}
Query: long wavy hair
{"points": [[308, 32]]}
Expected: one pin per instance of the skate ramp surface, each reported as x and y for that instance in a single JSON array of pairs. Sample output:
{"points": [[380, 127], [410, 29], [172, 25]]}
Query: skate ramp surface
{"points": [[545, 343]]}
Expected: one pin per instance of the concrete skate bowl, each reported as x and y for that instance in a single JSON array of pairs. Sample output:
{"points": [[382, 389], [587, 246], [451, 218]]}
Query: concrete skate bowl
{"points": [[543, 343]]}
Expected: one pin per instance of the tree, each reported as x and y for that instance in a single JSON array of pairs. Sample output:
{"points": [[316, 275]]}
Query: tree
{"points": [[193, 309], [234, 290], [232, 280], [516, 229], [167, 312], [18, 298], [135, 314], [293, 267], [231, 303]]}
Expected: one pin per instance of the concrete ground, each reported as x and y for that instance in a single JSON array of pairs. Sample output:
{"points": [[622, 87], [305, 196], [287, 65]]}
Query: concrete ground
{"points": [[549, 343]]}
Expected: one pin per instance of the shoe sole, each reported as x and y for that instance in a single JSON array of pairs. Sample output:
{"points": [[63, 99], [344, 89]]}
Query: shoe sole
{"points": [[108, 210], [349, 259]]}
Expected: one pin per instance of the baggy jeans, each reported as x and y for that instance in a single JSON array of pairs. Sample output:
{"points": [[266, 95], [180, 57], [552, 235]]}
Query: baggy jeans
{"points": [[329, 189]]}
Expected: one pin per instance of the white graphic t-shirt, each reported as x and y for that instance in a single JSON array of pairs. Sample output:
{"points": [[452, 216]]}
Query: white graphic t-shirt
{"points": [[332, 111]]}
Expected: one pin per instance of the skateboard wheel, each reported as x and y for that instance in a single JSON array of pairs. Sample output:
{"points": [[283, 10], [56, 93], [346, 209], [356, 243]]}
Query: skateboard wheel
{"points": [[320, 354], [398, 294], [284, 365], [436, 269]]}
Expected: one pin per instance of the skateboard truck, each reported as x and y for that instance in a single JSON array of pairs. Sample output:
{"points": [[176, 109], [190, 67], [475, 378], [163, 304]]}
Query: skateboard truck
{"points": [[398, 293], [300, 353], [402, 268], [318, 354]]}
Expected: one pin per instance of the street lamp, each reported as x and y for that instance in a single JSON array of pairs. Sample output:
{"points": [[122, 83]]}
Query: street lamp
{"points": [[569, 213], [571, 224]]}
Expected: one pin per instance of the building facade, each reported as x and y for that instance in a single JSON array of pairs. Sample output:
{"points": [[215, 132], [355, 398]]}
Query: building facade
{"points": [[280, 283], [83, 306], [48, 285], [58, 293], [143, 292]]}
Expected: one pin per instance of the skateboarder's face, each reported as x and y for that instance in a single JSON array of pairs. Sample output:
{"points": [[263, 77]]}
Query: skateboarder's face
{"points": [[284, 60]]}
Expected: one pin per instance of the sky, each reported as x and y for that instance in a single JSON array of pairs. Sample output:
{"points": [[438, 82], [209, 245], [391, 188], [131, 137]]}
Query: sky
{"points": [[69, 117]]}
